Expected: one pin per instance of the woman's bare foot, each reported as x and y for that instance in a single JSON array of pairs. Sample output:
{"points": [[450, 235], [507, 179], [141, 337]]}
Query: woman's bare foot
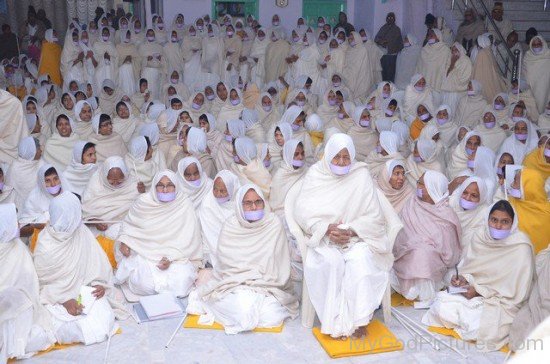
{"points": [[360, 332]]}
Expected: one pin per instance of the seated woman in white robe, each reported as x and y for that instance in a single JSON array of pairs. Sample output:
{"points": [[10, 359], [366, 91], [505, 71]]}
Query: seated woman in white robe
{"points": [[7, 192], [522, 142], [143, 167], [22, 172], [214, 137], [195, 145], [444, 120], [429, 243], [109, 96], [501, 108], [423, 158], [83, 113], [107, 54], [67, 258], [386, 149], [107, 143], [431, 131], [486, 310], [196, 106], [300, 97], [434, 59], [129, 63], [176, 82], [248, 166], [232, 108], [221, 98], [279, 134], [216, 207], [152, 63], [470, 201], [50, 183], [125, 123], [406, 61], [24, 323], [224, 157], [292, 169], [470, 107], [109, 195], [254, 129], [65, 106], [83, 165], [251, 285], [464, 154], [417, 92], [394, 185], [347, 266], [328, 108], [343, 120], [159, 248], [58, 150], [194, 181], [268, 111], [490, 131], [457, 76], [363, 133], [295, 116]]}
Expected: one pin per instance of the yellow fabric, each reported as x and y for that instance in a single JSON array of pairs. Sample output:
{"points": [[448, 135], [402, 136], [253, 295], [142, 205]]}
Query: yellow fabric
{"points": [[398, 300], [378, 340], [535, 160], [108, 246], [450, 332], [533, 209], [416, 127], [19, 92], [316, 137], [192, 322], [50, 62], [34, 239]]}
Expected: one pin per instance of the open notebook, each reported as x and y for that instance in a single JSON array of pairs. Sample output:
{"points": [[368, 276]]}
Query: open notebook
{"points": [[157, 307]]}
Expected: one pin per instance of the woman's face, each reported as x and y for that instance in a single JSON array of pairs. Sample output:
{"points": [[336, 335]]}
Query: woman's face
{"points": [[106, 127], [386, 89], [165, 185], [518, 111], [397, 178], [86, 113], [425, 195], [185, 118], [64, 127], [221, 90], [517, 180], [199, 99], [205, 125], [299, 154], [192, 173], [279, 138], [331, 96], [473, 142], [342, 159], [233, 95], [220, 189], [266, 101], [31, 108], [500, 220], [488, 117], [520, 128], [52, 180], [461, 133], [123, 111], [471, 193], [115, 177], [421, 110], [68, 102], [252, 201], [505, 159], [89, 156], [442, 114], [301, 97]]}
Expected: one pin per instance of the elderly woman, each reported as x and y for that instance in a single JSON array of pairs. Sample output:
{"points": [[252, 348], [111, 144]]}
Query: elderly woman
{"points": [[386, 149], [470, 107], [107, 143], [429, 243], [69, 262], [423, 158], [251, 285], [25, 323], [527, 196], [216, 207], [195, 183], [491, 295], [21, 174], [349, 250], [152, 63], [363, 133], [109, 195], [536, 61], [292, 169], [434, 59], [455, 81], [490, 131], [59, 147], [522, 142], [248, 166], [158, 248], [417, 92], [83, 165], [393, 183], [464, 154], [343, 119]]}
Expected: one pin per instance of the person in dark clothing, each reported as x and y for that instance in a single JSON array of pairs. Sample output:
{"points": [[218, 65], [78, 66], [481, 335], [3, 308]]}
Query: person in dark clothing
{"points": [[529, 34], [389, 37], [8, 40], [98, 14], [343, 23], [41, 15], [430, 22]]}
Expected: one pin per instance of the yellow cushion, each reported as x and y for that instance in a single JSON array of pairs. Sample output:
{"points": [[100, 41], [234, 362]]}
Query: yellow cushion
{"points": [[192, 322], [450, 332], [398, 300], [108, 246], [378, 340], [34, 239]]}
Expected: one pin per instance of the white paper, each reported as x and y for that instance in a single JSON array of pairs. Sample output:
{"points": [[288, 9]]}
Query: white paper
{"points": [[87, 299]]}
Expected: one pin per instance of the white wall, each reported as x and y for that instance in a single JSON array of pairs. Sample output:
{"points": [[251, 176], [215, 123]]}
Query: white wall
{"points": [[192, 9], [288, 15]]}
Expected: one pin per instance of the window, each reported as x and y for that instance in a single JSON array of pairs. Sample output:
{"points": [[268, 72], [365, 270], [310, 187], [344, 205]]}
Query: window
{"points": [[237, 9], [313, 9]]}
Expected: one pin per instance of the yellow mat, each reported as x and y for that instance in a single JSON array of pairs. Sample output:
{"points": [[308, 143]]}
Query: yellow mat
{"points": [[378, 340], [398, 300], [450, 332], [192, 322]]}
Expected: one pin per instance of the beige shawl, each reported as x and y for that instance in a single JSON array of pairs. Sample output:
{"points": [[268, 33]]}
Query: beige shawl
{"points": [[275, 60], [470, 108], [397, 198], [364, 137], [535, 67], [487, 72], [13, 126], [457, 80], [77, 174], [195, 193], [59, 150], [433, 63], [459, 158]]}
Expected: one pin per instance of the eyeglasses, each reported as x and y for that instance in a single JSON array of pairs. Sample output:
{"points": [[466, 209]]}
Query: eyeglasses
{"points": [[250, 204], [169, 187]]}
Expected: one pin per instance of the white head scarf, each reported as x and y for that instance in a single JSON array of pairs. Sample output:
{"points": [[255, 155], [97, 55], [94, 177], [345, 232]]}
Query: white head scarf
{"points": [[335, 144], [196, 141], [389, 141], [138, 148], [9, 228], [151, 131], [65, 213], [246, 149], [27, 148], [195, 193], [250, 117], [437, 185]]}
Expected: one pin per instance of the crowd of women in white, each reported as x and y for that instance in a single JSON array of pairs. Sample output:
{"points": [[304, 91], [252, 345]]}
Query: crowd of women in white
{"points": [[183, 141]]}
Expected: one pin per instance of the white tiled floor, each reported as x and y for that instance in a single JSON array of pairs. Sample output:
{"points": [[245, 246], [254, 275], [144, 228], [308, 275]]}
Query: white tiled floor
{"points": [[296, 344]]}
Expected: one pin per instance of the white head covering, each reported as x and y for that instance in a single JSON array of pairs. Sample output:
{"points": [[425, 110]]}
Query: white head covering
{"points": [[314, 123], [65, 213], [239, 202], [437, 185], [151, 131], [426, 148], [484, 167], [288, 151], [250, 117], [246, 149], [8, 223], [31, 121], [236, 128], [291, 114], [27, 148], [195, 193], [483, 40], [138, 148], [389, 141], [196, 141], [335, 144]]}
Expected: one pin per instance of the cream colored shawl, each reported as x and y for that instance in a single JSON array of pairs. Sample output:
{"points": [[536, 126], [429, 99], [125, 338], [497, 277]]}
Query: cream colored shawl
{"points": [[285, 177], [457, 80], [487, 72], [351, 199], [107, 145], [230, 111], [364, 137], [126, 128], [459, 158], [503, 290], [397, 198], [357, 70], [276, 150], [82, 128], [77, 174], [254, 170], [430, 162], [13, 126], [268, 119], [105, 202], [275, 63], [535, 67], [492, 138], [413, 98], [195, 193], [470, 108], [22, 177], [156, 229], [59, 150], [254, 255], [67, 256], [140, 169], [434, 62], [325, 111]]}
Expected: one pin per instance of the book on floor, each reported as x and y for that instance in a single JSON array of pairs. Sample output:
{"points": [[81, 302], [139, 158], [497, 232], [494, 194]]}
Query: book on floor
{"points": [[157, 307]]}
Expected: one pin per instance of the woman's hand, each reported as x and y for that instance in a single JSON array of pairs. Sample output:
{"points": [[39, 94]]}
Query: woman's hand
{"points": [[141, 187], [164, 264], [471, 293], [73, 308], [125, 250], [99, 291], [459, 281]]}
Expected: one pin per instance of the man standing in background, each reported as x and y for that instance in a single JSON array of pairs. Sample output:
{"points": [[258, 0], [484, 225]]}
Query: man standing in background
{"points": [[389, 37]]}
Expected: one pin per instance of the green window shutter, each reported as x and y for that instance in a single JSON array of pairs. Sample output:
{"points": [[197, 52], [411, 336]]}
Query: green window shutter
{"points": [[312, 9], [245, 6]]}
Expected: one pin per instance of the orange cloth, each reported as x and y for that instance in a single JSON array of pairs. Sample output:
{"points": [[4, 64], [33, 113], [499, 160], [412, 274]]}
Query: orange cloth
{"points": [[108, 246], [50, 62], [317, 137], [34, 239], [19, 92], [536, 160], [533, 209], [416, 127]]}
